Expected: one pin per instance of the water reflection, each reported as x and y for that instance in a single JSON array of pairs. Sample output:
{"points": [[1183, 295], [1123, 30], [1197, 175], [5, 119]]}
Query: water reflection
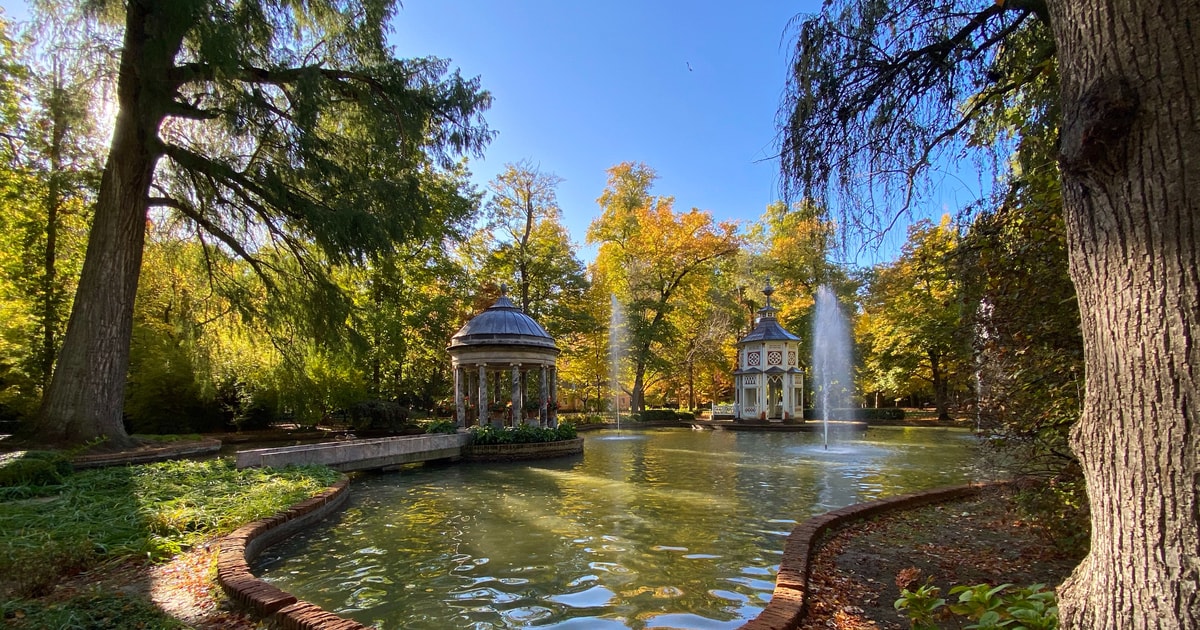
{"points": [[675, 528]]}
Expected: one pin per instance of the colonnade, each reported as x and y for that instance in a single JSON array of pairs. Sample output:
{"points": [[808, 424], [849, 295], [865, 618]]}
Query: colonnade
{"points": [[477, 401]]}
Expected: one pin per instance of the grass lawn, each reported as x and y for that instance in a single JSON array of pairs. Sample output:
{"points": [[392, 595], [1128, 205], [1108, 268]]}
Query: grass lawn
{"points": [[65, 523]]}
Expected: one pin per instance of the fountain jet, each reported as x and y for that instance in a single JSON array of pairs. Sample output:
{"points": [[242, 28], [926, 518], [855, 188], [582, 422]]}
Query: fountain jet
{"points": [[616, 352], [831, 356]]}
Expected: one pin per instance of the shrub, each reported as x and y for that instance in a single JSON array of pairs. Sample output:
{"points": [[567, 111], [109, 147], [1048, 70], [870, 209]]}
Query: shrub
{"points": [[685, 416], [1060, 508], [381, 415], [856, 413], [441, 426], [658, 415], [921, 605], [1031, 607], [522, 434]]}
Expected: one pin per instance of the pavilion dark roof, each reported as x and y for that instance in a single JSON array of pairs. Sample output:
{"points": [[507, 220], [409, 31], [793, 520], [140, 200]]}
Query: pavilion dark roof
{"points": [[502, 324]]}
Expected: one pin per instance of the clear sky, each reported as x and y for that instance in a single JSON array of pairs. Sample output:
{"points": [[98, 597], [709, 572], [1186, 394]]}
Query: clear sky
{"points": [[691, 89]]}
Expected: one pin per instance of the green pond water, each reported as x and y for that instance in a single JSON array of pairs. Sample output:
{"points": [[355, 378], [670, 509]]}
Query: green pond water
{"points": [[660, 529]]}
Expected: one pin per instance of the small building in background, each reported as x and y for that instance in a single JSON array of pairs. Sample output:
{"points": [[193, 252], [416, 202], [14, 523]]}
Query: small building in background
{"points": [[768, 381]]}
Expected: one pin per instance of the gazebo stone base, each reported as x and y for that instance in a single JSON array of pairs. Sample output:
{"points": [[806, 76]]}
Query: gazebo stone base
{"points": [[518, 452]]}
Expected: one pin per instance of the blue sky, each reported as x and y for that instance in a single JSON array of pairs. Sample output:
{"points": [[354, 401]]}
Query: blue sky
{"points": [[690, 89], [582, 86]]}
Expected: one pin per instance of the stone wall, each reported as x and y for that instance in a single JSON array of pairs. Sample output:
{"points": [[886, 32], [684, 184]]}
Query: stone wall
{"points": [[518, 452]]}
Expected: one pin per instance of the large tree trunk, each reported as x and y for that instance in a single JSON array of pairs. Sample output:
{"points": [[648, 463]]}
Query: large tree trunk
{"points": [[54, 200], [86, 396], [637, 396], [1130, 145], [940, 386]]}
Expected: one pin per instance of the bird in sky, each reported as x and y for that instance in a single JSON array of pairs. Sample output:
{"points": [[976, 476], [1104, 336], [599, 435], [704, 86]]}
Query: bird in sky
{"points": [[689, 65]]}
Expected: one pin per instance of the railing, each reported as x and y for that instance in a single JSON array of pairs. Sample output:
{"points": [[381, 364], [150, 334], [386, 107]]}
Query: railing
{"points": [[722, 410]]}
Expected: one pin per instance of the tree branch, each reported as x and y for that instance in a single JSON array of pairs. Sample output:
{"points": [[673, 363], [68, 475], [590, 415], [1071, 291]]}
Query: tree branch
{"points": [[217, 231]]}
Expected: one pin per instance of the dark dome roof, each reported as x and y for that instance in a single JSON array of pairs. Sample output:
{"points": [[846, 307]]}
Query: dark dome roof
{"points": [[502, 324], [768, 329]]}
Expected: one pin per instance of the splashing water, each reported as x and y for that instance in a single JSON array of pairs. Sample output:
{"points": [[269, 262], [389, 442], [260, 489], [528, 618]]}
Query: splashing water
{"points": [[831, 356]]}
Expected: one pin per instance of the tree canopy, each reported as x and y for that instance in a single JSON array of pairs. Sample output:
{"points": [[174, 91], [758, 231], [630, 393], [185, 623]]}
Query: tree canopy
{"points": [[271, 129]]}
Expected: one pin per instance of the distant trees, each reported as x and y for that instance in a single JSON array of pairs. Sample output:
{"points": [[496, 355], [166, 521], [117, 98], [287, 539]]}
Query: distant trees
{"points": [[525, 242], [49, 173], [650, 257], [913, 316]]}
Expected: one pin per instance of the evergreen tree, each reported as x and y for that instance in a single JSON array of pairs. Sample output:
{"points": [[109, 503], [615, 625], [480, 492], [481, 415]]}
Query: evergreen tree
{"points": [[291, 126]]}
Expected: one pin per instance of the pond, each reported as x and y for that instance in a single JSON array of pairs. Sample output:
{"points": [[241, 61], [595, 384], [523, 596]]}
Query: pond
{"points": [[669, 528]]}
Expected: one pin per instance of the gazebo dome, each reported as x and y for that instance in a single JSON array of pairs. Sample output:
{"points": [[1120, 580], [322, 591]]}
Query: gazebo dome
{"points": [[502, 324]]}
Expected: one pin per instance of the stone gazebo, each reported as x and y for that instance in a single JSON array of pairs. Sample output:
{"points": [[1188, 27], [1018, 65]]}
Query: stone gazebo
{"points": [[504, 369], [769, 383]]}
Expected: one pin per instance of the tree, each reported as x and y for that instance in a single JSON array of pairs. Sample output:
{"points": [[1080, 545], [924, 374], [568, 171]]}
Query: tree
{"points": [[523, 199], [882, 88], [51, 172], [524, 239], [648, 254], [913, 317], [290, 125]]}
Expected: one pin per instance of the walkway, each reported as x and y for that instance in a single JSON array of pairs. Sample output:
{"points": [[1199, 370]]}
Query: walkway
{"points": [[353, 455]]}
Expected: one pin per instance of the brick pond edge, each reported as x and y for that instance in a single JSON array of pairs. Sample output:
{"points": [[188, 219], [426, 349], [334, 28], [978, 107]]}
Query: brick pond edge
{"points": [[267, 601], [786, 608]]}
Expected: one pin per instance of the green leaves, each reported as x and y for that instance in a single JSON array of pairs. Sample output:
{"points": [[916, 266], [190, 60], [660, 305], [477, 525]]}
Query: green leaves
{"points": [[991, 607]]}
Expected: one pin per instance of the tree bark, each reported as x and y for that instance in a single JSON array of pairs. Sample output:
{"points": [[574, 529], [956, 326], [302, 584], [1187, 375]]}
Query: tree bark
{"points": [[86, 396], [940, 386], [1130, 158]]}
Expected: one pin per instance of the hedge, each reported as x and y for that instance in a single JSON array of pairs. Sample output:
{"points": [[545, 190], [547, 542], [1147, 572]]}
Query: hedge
{"points": [[858, 413]]}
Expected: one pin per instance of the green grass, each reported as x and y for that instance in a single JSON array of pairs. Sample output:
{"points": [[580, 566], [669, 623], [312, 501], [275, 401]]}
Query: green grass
{"points": [[152, 511], [89, 612]]}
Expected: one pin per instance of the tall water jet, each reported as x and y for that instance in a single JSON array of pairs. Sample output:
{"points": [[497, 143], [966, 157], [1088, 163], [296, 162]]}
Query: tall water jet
{"points": [[831, 356], [616, 352]]}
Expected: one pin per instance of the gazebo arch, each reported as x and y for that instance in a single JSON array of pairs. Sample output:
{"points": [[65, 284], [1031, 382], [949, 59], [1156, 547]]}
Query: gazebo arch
{"points": [[493, 356]]}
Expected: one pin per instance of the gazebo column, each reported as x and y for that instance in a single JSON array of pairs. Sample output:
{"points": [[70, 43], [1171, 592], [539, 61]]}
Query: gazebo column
{"points": [[518, 398], [460, 406], [737, 398], [484, 414], [800, 408], [553, 403], [762, 395], [786, 396], [543, 399]]}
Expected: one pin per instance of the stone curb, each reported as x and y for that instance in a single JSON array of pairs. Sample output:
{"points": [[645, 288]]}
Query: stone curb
{"points": [[265, 600], [168, 450], [786, 608], [522, 452]]}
